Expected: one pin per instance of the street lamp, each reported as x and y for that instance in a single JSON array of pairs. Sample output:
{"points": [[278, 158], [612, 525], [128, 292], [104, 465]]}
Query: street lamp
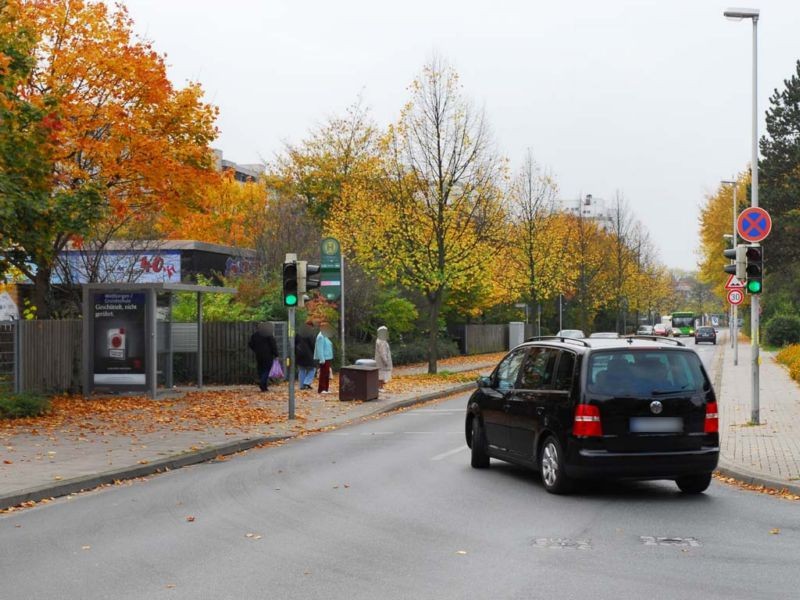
{"points": [[737, 14]]}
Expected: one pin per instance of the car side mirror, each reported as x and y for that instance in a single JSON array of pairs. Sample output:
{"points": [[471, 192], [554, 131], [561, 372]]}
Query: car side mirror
{"points": [[484, 381]]}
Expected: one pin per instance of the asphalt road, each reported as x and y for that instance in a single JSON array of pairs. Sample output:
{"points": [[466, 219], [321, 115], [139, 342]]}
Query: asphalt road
{"points": [[391, 509]]}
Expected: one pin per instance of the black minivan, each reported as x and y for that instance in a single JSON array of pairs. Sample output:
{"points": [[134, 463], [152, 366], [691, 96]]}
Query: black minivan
{"points": [[640, 407]]}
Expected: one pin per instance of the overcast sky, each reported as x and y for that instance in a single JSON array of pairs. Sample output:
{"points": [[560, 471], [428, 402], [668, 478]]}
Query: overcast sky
{"points": [[648, 98]]}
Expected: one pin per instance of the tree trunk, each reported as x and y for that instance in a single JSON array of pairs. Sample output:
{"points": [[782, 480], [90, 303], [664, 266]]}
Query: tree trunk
{"points": [[435, 302], [42, 293]]}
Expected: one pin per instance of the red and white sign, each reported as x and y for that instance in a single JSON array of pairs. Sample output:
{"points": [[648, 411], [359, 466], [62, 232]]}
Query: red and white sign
{"points": [[754, 224], [734, 283], [735, 297]]}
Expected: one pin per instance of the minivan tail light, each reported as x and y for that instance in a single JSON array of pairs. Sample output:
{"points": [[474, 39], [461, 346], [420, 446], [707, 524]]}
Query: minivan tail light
{"points": [[712, 418], [587, 421]]}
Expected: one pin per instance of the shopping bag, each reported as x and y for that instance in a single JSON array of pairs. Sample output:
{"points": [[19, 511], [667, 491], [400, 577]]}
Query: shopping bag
{"points": [[276, 372]]}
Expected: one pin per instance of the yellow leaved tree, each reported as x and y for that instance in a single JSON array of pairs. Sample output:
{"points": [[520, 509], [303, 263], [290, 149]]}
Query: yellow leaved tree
{"points": [[433, 219]]}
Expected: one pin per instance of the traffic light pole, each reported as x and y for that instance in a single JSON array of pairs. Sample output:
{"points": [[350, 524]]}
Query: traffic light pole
{"points": [[290, 342]]}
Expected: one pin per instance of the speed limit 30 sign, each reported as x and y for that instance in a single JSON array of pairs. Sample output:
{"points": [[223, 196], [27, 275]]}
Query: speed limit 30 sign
{"points": [[735, 297]]}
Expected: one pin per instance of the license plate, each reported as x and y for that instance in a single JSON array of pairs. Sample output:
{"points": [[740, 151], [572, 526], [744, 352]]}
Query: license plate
{"points": [[656, 424]]}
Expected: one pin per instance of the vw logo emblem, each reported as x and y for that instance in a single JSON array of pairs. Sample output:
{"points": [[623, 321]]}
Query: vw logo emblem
{"points": [[656, 407]]}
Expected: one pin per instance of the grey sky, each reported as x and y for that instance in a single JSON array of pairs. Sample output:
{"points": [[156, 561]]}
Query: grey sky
{"points": [[651, 98]]}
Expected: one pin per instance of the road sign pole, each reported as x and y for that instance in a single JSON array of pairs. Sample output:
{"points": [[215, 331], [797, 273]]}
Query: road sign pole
{"points": [[341, 307], [735, 335]]}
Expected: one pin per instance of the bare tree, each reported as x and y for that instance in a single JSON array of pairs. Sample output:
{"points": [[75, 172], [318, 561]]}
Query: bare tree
{"points": [[622, 226], [532, 202]]}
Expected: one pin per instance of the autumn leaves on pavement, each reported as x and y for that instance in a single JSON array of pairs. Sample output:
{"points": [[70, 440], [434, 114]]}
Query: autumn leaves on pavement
{"points": [[236, 409]]}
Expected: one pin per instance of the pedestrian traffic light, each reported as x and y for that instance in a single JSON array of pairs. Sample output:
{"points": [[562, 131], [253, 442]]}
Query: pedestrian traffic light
{"points": [[290, 284], [739, 256], [755, 269]]}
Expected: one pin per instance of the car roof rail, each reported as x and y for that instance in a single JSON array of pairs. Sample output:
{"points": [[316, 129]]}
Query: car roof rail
{"points": [[561, 338], [655, 338]]}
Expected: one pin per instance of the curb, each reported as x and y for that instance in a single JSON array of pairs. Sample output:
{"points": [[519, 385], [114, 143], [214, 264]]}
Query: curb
{"points": [[752, 478], [185, 459], [89, 482], [728, 469]]}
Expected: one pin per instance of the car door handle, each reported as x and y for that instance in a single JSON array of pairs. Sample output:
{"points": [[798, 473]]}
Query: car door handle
{"points": [[540, 410], [507, 406]]}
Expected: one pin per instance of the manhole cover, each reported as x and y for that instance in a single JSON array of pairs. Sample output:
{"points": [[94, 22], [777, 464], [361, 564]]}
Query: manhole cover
{"points": [[649, 540], [563, 543]]}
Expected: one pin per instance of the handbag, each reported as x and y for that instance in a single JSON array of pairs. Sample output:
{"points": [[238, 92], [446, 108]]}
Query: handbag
{"points": [[276, 372]]}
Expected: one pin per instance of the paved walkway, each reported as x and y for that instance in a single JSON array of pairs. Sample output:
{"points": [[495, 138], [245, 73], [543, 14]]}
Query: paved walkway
{"points": [[77, 455], [768, 453]]}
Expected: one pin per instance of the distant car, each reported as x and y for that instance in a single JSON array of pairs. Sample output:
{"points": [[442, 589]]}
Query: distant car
{"points": [[645, 330], [660, 329], [571, 333], [598, 409], [705, 334], [604, 334]]}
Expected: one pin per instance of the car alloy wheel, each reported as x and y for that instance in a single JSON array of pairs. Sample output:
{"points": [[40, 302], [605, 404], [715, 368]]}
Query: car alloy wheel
{"points": [[480, 456], [551, 466]]}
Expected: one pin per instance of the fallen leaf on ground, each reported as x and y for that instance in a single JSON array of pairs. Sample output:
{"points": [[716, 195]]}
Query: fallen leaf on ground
{"points": [[775, 531], [190, 519]]}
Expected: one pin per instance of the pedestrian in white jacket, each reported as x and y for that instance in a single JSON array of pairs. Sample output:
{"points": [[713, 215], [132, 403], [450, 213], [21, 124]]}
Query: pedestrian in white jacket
{"points": [[383, 356]]}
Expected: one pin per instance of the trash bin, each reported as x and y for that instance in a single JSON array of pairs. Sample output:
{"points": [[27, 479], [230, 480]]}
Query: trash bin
{"points": [[358, 382]]}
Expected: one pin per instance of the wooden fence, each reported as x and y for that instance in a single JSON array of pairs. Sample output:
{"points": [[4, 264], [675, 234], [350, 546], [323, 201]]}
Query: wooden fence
{"points": [[51, 352], [483, 338], [50, 355]]}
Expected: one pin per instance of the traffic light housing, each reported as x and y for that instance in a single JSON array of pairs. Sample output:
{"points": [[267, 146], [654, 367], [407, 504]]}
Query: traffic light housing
{"points": [[304, 282], [755, 269], [290, 284], [739, 256]]}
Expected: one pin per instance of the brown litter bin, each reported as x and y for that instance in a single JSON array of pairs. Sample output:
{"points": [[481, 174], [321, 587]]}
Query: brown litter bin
{"points": [[358, 382]]}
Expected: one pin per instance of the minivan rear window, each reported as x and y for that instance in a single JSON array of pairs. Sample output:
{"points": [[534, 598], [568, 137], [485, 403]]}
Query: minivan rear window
{"points": [[650, 372]]}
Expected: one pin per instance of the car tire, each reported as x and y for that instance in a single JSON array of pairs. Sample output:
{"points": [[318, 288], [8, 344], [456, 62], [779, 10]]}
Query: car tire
{"points": [[480, 455], [551, 468], [694, 484]]}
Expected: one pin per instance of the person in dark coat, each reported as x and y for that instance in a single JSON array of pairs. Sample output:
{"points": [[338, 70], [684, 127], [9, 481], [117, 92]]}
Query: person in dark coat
{"points": [[262, 343], [304, 357]]}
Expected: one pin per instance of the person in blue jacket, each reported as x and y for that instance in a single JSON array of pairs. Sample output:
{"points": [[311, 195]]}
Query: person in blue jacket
{"points": [[323, 355]]}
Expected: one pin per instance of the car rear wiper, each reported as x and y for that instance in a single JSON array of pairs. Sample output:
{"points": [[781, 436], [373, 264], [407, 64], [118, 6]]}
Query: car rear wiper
{"points": [[674, 391]]}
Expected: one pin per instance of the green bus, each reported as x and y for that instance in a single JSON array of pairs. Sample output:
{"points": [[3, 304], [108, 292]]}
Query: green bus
{"points": [[682, 323]]}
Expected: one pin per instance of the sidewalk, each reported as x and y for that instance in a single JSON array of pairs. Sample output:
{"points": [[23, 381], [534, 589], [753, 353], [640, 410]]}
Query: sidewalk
{"points": [[767, 454], [86, 444]]}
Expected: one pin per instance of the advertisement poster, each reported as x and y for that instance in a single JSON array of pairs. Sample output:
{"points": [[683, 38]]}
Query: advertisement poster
{"points": [[118, 266], [119, 340]]}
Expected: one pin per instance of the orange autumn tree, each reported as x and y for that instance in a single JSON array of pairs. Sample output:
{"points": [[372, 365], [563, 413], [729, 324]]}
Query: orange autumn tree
{"points": [[124, 132], [230, 212]]}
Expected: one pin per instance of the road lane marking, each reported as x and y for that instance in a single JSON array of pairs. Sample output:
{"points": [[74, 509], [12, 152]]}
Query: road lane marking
{"points": [[449, 453]]}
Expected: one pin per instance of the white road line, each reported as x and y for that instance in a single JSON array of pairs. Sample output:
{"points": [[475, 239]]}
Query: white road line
{"points": [[378, 433], [449, 453]]}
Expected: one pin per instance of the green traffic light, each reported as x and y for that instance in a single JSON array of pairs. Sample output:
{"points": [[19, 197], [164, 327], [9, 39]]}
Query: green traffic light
{"points": [[754, 286], [290, 300]]}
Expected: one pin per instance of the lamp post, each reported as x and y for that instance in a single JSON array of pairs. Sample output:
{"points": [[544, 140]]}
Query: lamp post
{"points": [[734, 327], [737, 14]]}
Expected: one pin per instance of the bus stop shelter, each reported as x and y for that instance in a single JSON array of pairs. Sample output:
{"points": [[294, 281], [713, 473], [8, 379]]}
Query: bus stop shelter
{"points": [[122, 337]]}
